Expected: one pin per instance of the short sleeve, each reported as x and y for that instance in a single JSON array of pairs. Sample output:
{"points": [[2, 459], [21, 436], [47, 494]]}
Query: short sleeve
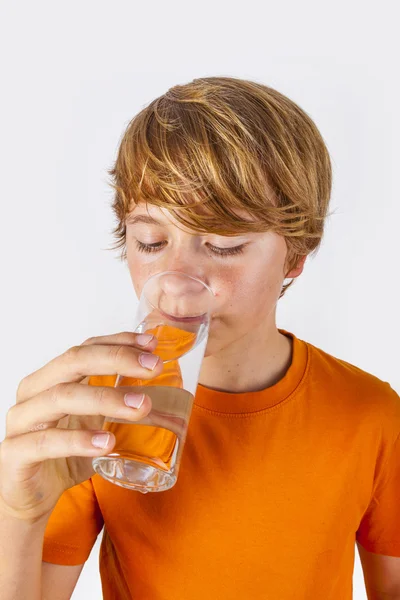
{"points": [[73, 526], [379, 529]]}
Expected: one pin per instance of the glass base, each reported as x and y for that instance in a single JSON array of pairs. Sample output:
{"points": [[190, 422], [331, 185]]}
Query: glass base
{"points": [[133, 475]]}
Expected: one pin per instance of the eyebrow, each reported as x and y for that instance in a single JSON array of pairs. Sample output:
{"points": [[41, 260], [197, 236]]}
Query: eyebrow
{"points": [[152, 221], [143, 219]]}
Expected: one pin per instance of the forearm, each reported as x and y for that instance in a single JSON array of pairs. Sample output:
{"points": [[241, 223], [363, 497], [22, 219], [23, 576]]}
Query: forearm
{"points": [[21, 546]]}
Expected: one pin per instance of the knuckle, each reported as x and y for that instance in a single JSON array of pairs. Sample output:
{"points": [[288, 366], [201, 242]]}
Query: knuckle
{"points": [[101, 395], [5, 451], [118, 353], [41, 441], [74, 442], [75, 357], [56, 392], [71, 355], [88, 342], [10, 418], [20, 389]]}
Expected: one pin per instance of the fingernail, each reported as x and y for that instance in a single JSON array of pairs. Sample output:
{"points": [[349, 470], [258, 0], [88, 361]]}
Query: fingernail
{"points": [[148, 361], [134, 400], [143, 339], [100, 440]]}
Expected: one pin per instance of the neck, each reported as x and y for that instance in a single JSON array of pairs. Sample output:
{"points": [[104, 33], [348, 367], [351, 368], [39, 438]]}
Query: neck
{"points": [[254, 362]]}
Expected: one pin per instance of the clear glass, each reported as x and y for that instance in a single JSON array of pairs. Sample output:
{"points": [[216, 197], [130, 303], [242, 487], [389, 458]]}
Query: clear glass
{"points": [[176, 308]]}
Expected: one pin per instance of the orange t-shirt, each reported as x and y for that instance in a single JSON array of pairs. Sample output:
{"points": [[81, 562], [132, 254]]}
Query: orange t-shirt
{"points": [[274, 489]]}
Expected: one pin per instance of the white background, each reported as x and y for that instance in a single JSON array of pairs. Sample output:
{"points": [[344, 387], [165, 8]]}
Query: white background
{"points": [[74, 74]]}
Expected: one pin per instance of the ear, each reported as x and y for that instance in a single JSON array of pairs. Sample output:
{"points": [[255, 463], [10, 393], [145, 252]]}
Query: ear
{"points": [[296, 271]]}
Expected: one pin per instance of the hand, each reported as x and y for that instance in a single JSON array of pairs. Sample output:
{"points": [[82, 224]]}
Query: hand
{"points": [[48, 445]]}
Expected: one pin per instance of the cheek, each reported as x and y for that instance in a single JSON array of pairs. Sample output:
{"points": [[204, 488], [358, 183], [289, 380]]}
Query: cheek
{"points": [[139, 273], [251, 288]]}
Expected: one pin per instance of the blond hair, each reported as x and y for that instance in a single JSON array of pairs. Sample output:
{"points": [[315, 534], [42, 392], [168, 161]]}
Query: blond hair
{"points": [[217, 144]]}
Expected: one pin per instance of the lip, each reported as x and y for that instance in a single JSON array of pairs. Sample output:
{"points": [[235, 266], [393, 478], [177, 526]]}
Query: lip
{"points": [[183, 319]]}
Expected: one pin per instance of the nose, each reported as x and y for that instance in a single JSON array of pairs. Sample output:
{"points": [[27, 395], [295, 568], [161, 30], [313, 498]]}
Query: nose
{"points": [[178, 285], [183, 296]]}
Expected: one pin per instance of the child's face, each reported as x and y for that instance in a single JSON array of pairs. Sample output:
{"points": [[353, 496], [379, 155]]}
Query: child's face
{"points": [[247, 285]]}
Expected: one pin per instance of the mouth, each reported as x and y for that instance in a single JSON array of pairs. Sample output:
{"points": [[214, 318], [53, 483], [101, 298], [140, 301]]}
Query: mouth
{"points": [[183, 319]]}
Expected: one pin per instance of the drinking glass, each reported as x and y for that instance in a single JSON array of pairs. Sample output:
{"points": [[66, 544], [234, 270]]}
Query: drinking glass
{"points": [[176, 308]]}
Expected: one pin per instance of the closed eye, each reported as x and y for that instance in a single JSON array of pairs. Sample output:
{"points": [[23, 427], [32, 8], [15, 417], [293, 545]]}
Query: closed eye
{"points": [[215, 249]]}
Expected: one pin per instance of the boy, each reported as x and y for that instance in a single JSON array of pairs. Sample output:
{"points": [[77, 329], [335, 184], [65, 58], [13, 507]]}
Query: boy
{"points": [[292, 456]]}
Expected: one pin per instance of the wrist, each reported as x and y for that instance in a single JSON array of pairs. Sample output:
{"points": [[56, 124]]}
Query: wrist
{"points": [[26, 520]]}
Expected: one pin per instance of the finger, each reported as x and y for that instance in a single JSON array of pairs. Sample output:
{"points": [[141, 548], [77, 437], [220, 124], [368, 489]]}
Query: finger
{"points": [[32, 448], [126, 338], [80, 361], [45, 409]]}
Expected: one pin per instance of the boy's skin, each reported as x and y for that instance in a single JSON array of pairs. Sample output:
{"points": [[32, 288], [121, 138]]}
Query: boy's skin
{"points": [[245, 350]]}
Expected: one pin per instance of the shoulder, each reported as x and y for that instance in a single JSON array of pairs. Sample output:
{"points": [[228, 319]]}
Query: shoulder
{"points": [[350, 381]]}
